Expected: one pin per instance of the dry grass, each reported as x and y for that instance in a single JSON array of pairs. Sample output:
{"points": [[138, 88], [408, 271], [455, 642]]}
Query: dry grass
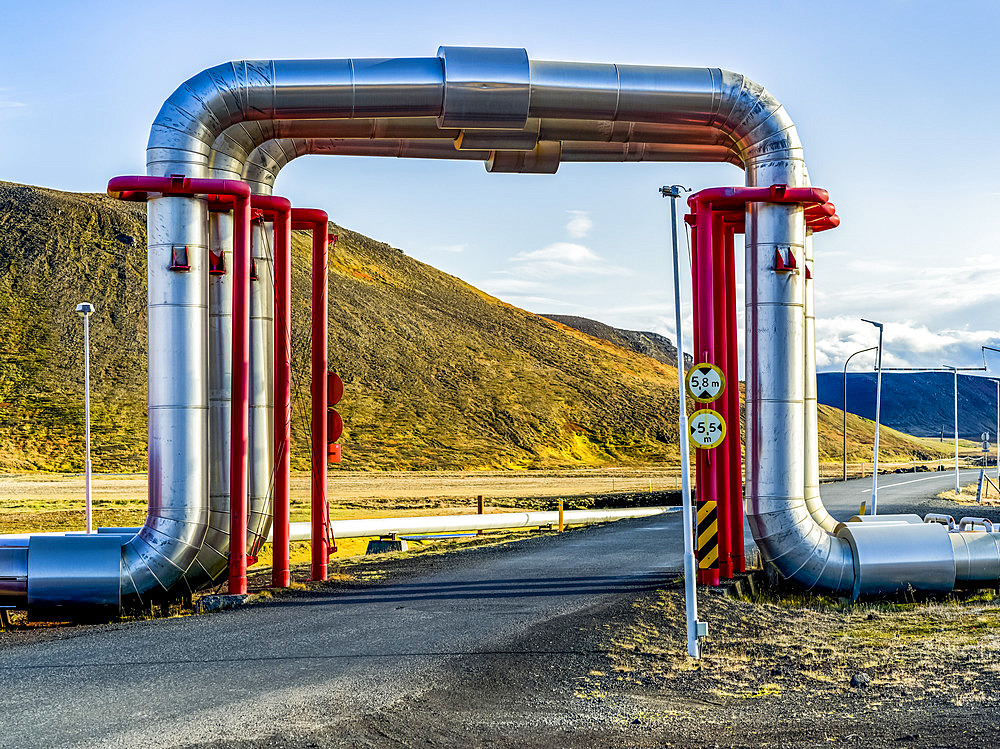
{"points": [[810, 647], [967, 495]]}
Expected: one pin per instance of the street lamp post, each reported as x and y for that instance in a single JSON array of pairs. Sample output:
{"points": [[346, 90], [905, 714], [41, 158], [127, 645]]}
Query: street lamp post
{"points": [[878, 415], [985, 349], [870, 348], [85, 310], [695, 629], [955, 372]]}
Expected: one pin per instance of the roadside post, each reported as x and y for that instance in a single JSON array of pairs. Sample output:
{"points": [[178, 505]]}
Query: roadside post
{"points": [[696, 630], [85, 310], [560, 515], [878, 414], [997, 381]]}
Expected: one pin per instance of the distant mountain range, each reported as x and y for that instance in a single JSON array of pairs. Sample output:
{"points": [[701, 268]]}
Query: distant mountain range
{"points": [[918, 403]]}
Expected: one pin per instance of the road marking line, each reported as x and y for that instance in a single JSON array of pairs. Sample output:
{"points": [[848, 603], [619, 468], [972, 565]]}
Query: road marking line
{"points": [[912, 481]]}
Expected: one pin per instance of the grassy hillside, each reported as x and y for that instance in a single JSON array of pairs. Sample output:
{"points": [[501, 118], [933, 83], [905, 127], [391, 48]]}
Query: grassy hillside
{"points": [[651, 344], [438, 374], [893, 446]]}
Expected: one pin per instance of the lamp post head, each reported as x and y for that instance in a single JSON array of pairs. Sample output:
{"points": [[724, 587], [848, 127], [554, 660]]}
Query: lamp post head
{"points": [[872, 322], [673, 191], [84, 308]]}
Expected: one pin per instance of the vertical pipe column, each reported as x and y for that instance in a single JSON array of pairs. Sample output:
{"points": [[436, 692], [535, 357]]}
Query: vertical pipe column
{"points": [[704, 325], [720, 454], [320, 546], [240, 403], [701, 468], [261, 418], [212, 559], [810, 443], [775, 378], [280, 572], [736, 545], [178, 390]]}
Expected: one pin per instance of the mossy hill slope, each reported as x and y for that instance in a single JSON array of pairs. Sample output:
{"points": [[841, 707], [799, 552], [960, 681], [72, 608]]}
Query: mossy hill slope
{"points": [[438, 374], [651, 344], [893, 445]]}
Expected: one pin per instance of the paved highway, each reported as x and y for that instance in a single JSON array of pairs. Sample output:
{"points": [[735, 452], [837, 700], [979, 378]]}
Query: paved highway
{"points": [[300, 664], [899, 492]]}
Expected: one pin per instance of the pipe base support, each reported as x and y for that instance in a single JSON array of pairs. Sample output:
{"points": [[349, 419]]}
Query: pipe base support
{"points": [[385, 546]]}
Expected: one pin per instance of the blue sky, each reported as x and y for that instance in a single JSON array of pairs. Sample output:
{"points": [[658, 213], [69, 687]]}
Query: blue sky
{"points": [[894, 102]]}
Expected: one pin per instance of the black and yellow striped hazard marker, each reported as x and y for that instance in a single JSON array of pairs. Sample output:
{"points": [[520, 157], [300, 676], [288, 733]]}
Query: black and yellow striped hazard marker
{"points": [[708, 536]]}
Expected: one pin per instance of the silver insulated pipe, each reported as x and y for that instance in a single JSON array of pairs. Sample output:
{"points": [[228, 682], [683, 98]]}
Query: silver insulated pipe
{"points": [[249, 118]]}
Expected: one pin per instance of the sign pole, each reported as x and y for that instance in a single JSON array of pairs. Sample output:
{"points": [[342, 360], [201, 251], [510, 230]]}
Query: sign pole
{"points": [[695, 629]]}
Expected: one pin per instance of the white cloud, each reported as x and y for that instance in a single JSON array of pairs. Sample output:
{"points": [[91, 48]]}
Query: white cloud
{"points": [[563, 259], [541, 304], [579, 224], [452, 247], [6, 103], [905, 344], [510, 286]]}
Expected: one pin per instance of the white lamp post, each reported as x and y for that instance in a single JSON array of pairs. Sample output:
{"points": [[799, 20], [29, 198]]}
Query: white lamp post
{"points": [[85, 309], [695, 629], [985, 349], [878, 414], [955, 390]]}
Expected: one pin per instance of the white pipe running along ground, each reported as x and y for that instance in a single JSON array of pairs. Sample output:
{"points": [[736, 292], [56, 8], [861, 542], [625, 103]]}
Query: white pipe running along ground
{"points": [[374, 527]]}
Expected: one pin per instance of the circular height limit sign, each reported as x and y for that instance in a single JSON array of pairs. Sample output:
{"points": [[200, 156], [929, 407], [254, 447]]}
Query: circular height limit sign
{"points": [[705, 382], [707, 429]]}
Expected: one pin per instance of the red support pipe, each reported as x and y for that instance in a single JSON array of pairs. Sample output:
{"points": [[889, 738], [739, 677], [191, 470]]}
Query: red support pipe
{"points": [[713, 267], [138, 188], [700, 458], [708, 487], [736, 544], [318, 222], [279, 211], [240, 399], [720, 454]]}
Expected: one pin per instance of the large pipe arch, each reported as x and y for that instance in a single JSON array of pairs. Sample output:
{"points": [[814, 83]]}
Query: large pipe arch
{"points": [[249, 118], [547, 113]]}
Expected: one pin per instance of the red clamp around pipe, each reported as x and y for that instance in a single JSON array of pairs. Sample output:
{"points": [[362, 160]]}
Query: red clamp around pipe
{"points": [[139, 188]]}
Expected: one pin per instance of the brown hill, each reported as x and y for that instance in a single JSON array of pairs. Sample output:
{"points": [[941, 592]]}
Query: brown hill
{"points": [[438, 374]]}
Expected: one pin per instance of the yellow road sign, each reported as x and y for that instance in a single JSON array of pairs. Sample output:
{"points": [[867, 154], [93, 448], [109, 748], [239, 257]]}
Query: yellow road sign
{"points": [[706, 428], [705, 382]]}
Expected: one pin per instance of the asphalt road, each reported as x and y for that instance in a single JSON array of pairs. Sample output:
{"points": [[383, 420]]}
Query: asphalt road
{"points": [[303, 663], [898, 492]]}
